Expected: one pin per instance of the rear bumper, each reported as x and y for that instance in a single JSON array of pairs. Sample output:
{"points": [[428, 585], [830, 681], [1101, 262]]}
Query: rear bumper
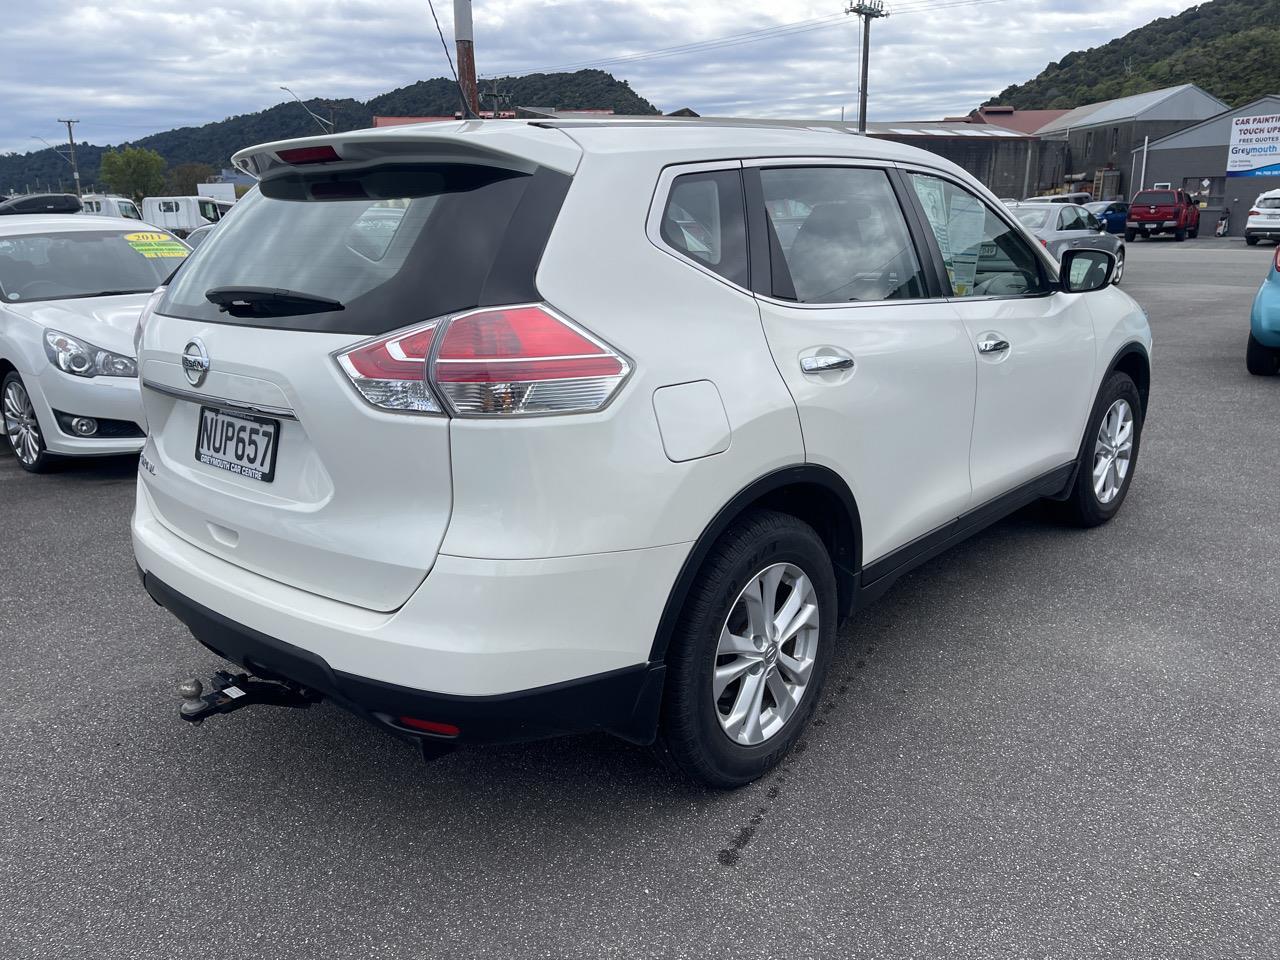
{"points": [[1153, 226], [1268, 232], [623, 702], [517, 648]]}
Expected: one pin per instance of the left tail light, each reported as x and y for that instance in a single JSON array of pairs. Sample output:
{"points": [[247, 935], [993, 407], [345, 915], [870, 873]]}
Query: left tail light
{"points": [[505, 361]]}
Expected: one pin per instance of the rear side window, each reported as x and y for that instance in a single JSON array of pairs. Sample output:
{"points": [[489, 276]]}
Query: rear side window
{"points": [[168, 206], [838, 235], [704, 220], [1155, 197], [392, 246], [984, 256]]}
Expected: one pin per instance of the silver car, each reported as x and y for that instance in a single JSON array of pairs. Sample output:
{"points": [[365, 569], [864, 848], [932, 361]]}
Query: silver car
{"points": [[1064, 226]]}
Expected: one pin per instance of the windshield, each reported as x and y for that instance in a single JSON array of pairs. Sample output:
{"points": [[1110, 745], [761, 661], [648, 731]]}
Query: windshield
{"points": [[64, 264], [1033, 218], [1153, 197], [391, 246]]}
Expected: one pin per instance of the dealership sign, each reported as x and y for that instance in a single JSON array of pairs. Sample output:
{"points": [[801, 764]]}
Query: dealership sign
{"points": [[1255, 147]]}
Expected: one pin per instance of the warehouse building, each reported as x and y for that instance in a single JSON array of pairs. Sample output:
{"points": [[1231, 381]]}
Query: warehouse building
{"points": [[1224, 161], [1100, 138]]}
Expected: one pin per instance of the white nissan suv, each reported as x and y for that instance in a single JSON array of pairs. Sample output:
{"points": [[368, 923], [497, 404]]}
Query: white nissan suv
{"points": [[497, 430]]}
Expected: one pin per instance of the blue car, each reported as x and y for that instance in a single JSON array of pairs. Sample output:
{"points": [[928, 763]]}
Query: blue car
{"points": [[1263, 356], [1112, 213]]}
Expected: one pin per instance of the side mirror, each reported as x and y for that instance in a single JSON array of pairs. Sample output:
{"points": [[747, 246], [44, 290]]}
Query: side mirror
{"points": [[1084, 270]]}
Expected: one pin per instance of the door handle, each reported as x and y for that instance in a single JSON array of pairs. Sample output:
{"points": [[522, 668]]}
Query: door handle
{"points": [[825, 363], [993, 346]]}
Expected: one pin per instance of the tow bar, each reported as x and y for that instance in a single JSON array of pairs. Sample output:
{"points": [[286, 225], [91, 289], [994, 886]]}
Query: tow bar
{"points": [[232, 691]]}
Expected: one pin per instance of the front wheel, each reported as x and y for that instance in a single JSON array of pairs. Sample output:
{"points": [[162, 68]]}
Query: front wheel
{"points": [[20, 425], [1108, 455], [1261, 360], [749, 654]]}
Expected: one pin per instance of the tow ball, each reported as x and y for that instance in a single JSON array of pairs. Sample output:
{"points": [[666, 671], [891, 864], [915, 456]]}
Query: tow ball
{"points": [[231, 692]]}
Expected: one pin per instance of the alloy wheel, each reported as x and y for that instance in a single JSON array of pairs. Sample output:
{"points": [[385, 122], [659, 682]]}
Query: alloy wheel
{"points": [[20, 423], [1112, 451], [1119, 267], [766, 654]]}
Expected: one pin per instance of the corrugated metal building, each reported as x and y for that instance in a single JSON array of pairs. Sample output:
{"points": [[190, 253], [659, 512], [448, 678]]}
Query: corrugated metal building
{"points": [[1195, 160]]}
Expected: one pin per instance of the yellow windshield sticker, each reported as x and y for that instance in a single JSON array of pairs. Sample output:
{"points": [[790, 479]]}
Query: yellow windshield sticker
{"points": [[155, 246]]}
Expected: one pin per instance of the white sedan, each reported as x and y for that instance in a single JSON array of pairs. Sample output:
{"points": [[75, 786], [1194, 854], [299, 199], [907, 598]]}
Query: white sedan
{"points": [[71, 290]]}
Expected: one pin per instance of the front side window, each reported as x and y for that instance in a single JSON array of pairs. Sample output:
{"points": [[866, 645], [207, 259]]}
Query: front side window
{"points": [[984, 256], [704, 220], [838, 235]]}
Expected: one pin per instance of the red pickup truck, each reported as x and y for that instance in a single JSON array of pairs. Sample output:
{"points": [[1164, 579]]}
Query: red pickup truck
{"points": [[1162, 211]]}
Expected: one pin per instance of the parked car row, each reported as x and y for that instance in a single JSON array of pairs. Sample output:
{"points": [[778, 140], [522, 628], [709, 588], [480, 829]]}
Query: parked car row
{"points": [[178, 215]]}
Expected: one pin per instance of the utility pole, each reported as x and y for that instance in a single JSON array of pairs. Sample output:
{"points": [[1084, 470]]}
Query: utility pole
{"points": [[868, 10], [71, 138], [464, 36]]}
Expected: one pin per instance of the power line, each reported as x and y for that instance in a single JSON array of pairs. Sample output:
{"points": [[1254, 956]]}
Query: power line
{"points": [[732, 40], [739, 39]]}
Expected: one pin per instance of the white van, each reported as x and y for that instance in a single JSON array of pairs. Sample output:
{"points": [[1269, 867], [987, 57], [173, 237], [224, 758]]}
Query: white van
{"points": [[181, 215], [109, 205]]}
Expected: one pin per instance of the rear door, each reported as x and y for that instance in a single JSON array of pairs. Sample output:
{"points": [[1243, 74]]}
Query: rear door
{"points": [[261, 451], [880, 368], [1033, 345]]}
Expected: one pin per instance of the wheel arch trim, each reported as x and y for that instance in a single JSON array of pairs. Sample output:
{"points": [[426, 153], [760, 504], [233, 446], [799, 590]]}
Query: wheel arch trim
{"points": [[848, 566]]}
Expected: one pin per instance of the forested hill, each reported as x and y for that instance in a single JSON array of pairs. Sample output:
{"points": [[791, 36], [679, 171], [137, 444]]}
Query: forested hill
{"points": [[214, 143], [1229, 47]]}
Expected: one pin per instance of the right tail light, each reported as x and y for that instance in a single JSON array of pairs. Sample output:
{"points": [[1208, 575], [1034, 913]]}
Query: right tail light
{"points": [[502, 361]]}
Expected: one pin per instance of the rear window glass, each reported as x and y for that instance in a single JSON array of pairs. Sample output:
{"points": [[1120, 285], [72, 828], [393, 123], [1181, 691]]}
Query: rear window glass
{"points": [[65, 264], [1033, 218], [392, 246], [1151, 197], [1269, 203]]}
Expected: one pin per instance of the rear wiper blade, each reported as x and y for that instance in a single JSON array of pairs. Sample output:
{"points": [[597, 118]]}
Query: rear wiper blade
{"points": [[268, 302]]}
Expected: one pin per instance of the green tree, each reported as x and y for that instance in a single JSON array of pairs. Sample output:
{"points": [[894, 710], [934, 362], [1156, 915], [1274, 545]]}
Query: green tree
{"points": [[134, 171], [182, 180]]}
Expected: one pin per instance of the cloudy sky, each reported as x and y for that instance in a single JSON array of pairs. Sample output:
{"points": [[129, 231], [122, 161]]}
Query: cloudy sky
{"points": [[127, 68]]}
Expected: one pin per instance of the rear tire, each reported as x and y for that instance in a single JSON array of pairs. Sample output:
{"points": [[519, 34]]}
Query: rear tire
{"points": [[1251, 241], [1194, 232], [1130, 236], [727, 657], [1119, 272], [1180, 234], [21, 428], [1261, 360], [1108, 455]]}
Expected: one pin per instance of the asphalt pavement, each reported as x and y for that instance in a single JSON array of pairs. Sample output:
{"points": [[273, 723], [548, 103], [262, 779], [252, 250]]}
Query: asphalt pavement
{"points": [[1046, 743]]}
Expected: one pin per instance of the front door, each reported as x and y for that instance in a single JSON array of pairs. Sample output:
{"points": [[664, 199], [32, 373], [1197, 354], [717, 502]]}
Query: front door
{"points": [[1033, 345], [882, 375]]}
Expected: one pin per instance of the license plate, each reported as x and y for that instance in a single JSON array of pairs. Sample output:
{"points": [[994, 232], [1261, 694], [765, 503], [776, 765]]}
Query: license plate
{"points": [[239, 443]]}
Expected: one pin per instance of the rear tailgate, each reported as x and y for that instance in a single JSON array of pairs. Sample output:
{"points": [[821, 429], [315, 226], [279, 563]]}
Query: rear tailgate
{"points": [[1153, 206], [261, 451]]}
